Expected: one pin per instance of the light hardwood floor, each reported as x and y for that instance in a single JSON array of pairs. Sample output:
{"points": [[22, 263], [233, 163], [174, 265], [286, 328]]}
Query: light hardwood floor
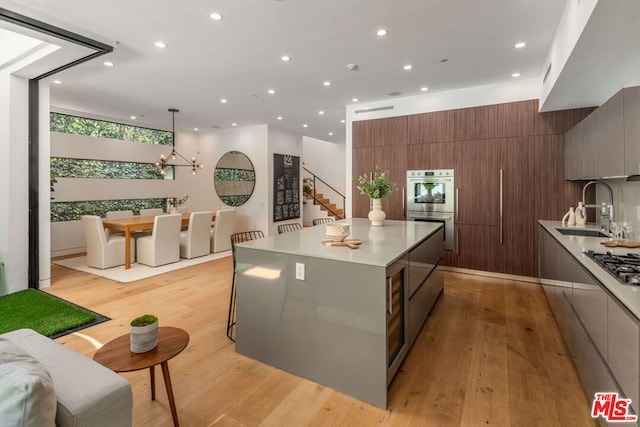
{"points": [[489, 354]]}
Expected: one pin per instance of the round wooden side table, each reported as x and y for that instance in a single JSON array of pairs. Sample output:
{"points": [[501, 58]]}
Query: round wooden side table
{"points": [[117, 356]]}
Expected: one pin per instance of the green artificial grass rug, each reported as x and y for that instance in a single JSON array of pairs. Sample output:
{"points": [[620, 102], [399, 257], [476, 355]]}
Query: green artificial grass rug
{"points": [[44, 313]]}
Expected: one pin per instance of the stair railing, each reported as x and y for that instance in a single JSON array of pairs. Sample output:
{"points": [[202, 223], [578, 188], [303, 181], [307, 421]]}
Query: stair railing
{"points": [[316, 201]]}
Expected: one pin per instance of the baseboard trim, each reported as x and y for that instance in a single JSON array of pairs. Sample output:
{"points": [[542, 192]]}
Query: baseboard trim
{"points": [[513, 277]]}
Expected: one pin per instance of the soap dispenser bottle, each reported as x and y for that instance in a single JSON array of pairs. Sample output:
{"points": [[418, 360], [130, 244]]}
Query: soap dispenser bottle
{"points": [[569, 217], [580, 219]]}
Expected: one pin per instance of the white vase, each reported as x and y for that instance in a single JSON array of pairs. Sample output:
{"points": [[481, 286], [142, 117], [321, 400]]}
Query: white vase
{"points": [[377, 215], [173, 210], [144, 338]]}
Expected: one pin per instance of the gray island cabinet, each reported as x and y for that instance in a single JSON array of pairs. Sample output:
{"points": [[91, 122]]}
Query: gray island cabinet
{"points": [[342, 317]]}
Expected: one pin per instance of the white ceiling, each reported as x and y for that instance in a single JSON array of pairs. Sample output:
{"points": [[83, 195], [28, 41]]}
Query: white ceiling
{"points": [[238, 58]]}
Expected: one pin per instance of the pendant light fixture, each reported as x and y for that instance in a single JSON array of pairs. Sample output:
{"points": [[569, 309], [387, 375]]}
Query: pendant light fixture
{"points": [[174, 155]]}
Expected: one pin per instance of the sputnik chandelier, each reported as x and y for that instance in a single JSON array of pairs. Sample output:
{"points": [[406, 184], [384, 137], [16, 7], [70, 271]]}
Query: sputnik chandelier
{"points": [[164, 160]]}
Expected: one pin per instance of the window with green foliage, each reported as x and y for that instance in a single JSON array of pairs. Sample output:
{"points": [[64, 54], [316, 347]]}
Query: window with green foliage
{"points": [[72, 211], [83, 126], [62, 167]]}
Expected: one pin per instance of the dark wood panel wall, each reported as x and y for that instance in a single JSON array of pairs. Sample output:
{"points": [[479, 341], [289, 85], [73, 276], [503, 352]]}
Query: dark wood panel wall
{"points": [[478, 142]]}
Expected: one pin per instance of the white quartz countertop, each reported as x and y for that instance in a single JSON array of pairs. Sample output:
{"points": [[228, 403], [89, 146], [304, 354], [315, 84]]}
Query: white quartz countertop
{"points": [[628, 295], [380, 246]]}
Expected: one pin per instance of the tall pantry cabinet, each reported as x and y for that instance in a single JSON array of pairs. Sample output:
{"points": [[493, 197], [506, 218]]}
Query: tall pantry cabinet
{"points": [[509, 172]]}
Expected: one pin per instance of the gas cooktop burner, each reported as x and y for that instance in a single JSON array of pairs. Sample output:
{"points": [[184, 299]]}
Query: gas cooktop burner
{"points": [[625, 268]]}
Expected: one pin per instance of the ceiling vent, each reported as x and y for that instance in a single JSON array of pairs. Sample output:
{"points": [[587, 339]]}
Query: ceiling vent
{"points": [[369, 110]]}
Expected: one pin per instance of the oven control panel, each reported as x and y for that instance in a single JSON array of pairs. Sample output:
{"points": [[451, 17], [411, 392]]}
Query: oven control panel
{"points": [[438, 173]]}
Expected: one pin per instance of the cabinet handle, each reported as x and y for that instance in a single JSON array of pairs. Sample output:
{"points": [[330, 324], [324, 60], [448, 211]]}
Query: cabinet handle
{"points": [[403, 212], [390, 295], [501, 194], [458, 241], [457, 206]]}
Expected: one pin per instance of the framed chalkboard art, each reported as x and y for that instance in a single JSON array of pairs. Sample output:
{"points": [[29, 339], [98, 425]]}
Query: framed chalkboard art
{"points": [[286, 187]]}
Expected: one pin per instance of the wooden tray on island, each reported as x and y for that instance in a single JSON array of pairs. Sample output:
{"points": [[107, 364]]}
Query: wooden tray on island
{"points": [[350, 243], [620, 244]]}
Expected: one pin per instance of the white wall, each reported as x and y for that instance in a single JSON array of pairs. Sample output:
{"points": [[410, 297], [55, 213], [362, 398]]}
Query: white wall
{"points": [[14, 210], [252, 141], [326, 160]]}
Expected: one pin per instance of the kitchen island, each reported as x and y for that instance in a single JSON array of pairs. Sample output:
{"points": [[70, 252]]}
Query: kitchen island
{"points": [[342, 317]]}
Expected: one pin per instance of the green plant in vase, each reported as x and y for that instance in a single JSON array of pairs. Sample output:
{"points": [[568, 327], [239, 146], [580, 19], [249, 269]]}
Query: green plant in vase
{"points": [[376, 188]]}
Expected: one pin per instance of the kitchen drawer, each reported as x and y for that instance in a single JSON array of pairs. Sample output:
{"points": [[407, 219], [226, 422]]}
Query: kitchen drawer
{"points": [[422, 302], [590, 303], [592, 368], [423, 259], [624, 350]]}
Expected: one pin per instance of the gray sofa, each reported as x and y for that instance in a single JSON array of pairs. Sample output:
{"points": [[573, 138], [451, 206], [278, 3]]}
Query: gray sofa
{"points": [[87, 393]]}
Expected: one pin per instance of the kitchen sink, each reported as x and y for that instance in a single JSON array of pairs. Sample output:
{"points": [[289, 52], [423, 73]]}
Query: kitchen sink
{"points": [[581, 232]]}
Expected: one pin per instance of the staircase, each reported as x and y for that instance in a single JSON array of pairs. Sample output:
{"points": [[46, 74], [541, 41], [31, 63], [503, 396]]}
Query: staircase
{"points": [[326, 205]]}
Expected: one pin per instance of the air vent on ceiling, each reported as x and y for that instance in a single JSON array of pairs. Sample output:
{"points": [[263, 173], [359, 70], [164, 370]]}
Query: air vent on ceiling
{"points": [[546, 74], [368, 110]]}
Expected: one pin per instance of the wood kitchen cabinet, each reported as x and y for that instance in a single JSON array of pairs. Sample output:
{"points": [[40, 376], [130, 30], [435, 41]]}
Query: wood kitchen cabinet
{"points": [[381, 143], [631, 128], [476, 181], [474, 247], [596, 146], [516, 225]]}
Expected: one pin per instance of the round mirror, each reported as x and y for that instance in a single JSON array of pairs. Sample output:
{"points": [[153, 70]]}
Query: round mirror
{"points": [[234, 178]]}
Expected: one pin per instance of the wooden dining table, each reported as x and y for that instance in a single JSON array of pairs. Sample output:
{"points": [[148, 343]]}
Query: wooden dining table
{"points": [[137, 223]]}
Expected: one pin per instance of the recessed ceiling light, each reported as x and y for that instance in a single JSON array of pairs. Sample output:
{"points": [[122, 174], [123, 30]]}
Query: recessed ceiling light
{"points": [[408, 67], [343, 121], [382, 32], [515, 75], [196, 129], [223, 100], [424, 88], [234, 124], [215, 16], [519, 45], [108, 63], [285, 58], [330, 133], [132, 117], [305, 125], [57, 82], [161, 45], [354, 99], [327, 83], [279, 117], [271, 91], [321, 112]]}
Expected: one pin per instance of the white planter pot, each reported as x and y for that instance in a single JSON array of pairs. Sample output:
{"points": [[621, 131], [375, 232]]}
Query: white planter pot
{"points": [[377, 215], [144, 338]]}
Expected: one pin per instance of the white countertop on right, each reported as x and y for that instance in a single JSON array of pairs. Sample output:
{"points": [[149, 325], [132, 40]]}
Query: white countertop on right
{"points": [[628, 295]]}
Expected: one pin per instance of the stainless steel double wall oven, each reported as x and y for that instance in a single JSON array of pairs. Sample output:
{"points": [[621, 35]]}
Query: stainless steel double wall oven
{"points": [[431, 198]]}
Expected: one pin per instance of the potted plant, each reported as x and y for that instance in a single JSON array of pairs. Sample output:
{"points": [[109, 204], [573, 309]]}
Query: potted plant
{"points": [[307, 187], [144, 333], [376, 188], [174, 202]]}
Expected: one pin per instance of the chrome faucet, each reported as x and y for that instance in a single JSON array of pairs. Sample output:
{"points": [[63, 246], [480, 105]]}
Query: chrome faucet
{"points": [[607, 212]]}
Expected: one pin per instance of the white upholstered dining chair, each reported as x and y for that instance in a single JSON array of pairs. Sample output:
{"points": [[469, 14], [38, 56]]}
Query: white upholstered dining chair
{"points": [[151, 212], [163, 245], [103, 251], [222, 230], [117, 215], [194, 242]]}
